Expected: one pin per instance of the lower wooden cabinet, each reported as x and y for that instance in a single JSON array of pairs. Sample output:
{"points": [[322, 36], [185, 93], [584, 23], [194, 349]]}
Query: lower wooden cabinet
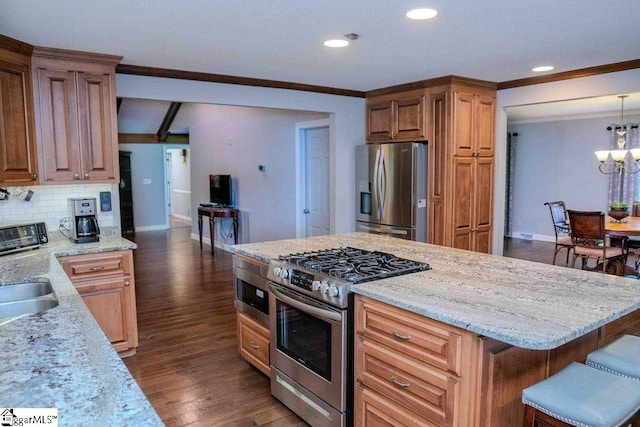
{"points": [[411, 370], [253, 343], [105, 281]]}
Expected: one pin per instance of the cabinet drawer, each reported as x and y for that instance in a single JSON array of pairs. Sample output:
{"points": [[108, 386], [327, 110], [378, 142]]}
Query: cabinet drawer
{"points": [[93, 266], [421, 388], [429, 341], [253, 343], [372, 409]]}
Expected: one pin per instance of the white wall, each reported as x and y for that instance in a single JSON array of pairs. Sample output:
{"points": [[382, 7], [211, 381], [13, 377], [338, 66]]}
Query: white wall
{"points": [[347, 121], [235, 140], [604, 84], [555, 161]]}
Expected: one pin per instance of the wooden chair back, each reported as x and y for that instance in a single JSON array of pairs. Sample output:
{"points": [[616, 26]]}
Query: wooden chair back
{"points": [[587, 227]]}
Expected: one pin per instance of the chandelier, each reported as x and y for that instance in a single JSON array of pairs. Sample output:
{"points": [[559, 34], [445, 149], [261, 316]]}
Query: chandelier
{"points": [[620, 155]]}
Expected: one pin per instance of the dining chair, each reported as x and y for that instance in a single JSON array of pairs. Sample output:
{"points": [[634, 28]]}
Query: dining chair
{"points": [[589, 239], [561, 228]]}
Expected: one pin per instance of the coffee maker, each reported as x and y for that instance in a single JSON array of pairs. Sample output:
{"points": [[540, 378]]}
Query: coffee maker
{"points": [[84, 222]]}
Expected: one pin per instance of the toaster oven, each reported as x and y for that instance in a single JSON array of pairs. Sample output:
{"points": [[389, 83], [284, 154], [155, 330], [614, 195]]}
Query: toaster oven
{"points": [[21, 237]]}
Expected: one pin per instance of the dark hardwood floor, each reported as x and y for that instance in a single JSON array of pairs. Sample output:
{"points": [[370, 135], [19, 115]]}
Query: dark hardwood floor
{"points": [[188, 364]]}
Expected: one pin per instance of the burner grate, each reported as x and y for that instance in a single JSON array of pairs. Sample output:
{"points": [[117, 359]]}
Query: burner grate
{"points": [[355, 265]]}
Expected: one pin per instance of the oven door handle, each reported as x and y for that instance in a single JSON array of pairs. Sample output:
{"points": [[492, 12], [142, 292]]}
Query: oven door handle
{"points": [[309, 309]]}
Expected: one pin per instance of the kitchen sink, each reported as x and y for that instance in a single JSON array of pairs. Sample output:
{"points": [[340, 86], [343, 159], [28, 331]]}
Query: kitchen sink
{"points": [[17, 299]]}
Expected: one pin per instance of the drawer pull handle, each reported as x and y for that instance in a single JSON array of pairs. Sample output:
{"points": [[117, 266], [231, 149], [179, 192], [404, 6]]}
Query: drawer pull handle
{"points": [[398, 383], [254, 345], [402, 337], [96, 268]]}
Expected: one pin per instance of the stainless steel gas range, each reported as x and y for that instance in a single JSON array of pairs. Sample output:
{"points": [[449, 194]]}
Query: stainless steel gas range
{"points": [[311, 327]]}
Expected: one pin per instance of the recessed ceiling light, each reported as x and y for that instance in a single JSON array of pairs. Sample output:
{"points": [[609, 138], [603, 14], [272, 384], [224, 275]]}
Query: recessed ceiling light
{"points": [[336, 43], [542, 68], [422, 13]]}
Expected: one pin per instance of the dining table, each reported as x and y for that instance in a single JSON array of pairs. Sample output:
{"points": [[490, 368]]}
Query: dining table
{"points": [[619, 229]]}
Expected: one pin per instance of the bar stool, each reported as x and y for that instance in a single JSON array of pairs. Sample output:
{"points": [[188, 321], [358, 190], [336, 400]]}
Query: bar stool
{"points": [[579, 395], [621, 357]]}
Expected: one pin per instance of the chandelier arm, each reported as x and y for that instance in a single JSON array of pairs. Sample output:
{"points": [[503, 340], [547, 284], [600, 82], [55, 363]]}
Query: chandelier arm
{"points": [[609, 172]]}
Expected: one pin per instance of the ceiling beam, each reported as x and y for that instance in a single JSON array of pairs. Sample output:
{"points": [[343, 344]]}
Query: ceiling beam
{"points": [[137, 138], [163, 131]]}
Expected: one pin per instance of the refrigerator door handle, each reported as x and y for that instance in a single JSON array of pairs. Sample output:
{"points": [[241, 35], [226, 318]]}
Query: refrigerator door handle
{"points": [[383, 184], [376, 184]]}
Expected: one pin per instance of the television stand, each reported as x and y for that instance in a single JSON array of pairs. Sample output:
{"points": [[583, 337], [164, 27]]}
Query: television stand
{"points": [[213, 213]]}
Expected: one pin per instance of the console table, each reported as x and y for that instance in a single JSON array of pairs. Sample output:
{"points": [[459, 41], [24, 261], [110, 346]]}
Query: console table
{"points": [[214, 213]]}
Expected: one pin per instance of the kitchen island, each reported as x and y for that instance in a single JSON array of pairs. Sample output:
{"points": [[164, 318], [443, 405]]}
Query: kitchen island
{"points": [[60, 358], [517, 321]]}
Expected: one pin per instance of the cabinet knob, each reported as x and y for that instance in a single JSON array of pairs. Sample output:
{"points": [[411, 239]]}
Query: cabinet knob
{"points": [[76, 176], [127, 283], [86, 176], [34, 177]]}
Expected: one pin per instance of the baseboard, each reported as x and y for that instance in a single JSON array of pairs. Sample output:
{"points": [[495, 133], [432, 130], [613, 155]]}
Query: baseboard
{"points": [[207, 241], [530, 236], [151, 228], [182, 218]]}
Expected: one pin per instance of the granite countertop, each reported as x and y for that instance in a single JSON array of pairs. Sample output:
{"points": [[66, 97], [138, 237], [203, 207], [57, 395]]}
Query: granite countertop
{"points": [[61, 358], [526, 304]]}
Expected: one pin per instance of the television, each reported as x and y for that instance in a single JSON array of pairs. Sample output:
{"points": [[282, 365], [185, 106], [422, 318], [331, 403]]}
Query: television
{"points": [[220, 190]]}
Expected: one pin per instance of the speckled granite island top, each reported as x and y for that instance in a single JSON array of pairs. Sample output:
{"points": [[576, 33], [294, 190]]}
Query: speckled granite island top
{"points": [[60, 358], [526, 304]]}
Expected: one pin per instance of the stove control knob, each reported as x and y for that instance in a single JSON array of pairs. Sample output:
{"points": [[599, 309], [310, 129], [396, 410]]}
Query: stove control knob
{"points": [[284, 273], [325, 287], [316, 285], [276, 271], [334, 291]]}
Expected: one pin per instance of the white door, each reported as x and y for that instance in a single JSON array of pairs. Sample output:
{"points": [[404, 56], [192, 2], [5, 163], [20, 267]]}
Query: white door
{"points": [[316, 158]]}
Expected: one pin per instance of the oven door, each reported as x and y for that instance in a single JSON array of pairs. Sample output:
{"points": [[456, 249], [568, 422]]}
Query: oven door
{"points": [[308, 344]]}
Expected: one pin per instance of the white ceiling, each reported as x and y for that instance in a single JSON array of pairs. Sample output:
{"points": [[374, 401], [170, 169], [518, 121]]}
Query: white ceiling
{"points": [[495, 40]]}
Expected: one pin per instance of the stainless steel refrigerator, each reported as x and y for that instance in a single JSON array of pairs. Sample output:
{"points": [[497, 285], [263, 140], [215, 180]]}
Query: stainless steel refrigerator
{"points": [[391, 193]]}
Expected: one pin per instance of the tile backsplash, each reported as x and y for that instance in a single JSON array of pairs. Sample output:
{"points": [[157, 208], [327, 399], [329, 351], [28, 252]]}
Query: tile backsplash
{"points": [[49, 204]]}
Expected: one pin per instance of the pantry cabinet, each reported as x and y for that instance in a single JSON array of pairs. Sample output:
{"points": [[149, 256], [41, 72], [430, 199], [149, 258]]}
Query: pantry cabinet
{"points": [[396, 117], [461, 165], [75, 106], [105, 281], [18, 159]]}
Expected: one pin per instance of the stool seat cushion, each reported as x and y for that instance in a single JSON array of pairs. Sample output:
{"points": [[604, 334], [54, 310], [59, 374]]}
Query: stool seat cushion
{"points": [[621, 357], [587, 397]]}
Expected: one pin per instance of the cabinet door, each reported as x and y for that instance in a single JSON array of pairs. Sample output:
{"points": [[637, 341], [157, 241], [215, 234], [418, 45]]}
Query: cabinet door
{"points": [[58, 125], [463, 124], [18, 164], [410, 119], [380, 121], [485, 126], [373, 410], [112, 303], [483, 204], [97, 141], [463, 202]]}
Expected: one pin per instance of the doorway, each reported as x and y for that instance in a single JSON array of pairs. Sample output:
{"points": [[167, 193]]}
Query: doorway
{"points": [[178, 187], [314, 174]]}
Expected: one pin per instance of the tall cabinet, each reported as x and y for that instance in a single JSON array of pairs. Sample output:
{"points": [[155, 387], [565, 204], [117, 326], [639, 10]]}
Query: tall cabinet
{"points": [[18, 160], [459, 127], [75, 107]]}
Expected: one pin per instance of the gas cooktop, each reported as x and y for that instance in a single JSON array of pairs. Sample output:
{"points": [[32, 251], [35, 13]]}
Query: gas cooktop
{"points": [[327, 274], [354, 265]]}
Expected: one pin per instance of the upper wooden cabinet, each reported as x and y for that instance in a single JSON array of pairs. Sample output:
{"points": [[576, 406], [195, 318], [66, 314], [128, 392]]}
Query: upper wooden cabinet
{"points": [[76, 122], [18, 160], [397, 117], [473, 127]]}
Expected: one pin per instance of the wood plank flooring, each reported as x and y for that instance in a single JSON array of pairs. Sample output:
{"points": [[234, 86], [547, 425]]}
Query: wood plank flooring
{"points": [[187, 363]]}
